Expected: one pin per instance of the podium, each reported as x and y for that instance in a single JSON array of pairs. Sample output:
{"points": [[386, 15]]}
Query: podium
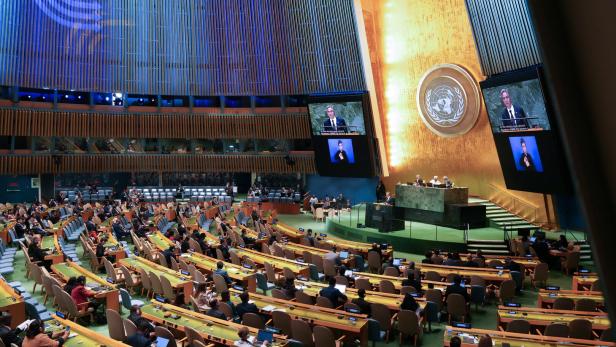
{"points": [[381, 216]]}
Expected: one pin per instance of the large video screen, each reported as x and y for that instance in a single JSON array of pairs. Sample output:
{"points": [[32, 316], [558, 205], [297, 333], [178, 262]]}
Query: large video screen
{"points": [[525, 153], [343, 156], [516, 107], [336, 118], [341, 151]]}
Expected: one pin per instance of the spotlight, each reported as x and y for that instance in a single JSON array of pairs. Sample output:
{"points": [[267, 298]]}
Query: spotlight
{"points": [[79, 97], [140, 100], [65, 96], [106, 98], [29, 96], [44, 97]]}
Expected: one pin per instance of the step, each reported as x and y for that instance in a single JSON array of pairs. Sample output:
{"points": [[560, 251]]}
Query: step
{"points": [[511, 218], [520, 226], [497, 214], [488, 246], [469, 241], [489, 251], [493, 207]]}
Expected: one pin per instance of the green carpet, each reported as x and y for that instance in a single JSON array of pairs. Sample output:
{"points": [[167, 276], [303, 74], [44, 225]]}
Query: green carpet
{"points": [[484, 318]]}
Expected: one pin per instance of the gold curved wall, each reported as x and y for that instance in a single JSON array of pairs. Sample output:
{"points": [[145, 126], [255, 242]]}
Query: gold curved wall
{"points": [[406, 38]]}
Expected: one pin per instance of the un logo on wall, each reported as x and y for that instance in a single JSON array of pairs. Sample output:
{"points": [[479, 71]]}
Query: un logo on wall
{"points": [[448, 100]]}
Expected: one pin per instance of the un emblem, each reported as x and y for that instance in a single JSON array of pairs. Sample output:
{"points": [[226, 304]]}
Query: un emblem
{"points": [[448, 100]]}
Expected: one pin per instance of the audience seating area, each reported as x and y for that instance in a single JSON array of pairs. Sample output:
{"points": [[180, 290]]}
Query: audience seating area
{"points": [[194, 194], [71, 194]]}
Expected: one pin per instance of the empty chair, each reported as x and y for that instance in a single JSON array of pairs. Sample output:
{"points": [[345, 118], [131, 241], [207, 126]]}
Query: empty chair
{"points": [[129, 327], [585, 305], [408, 325], [324, 337], [450, 277], [436, 296], [303, 298], [324, 302], [163, 332], [386, 286], [374, 262], [342, 280], [571, 262], [580, 329], [127, 300], [433, 276], [192, 336], [391, 271], [279, 294], [253, 320], [478, 281], [506, 291], [263, 284], [115, 325], [167, 288], [563, 304], [540, 275], [301, 331], [478, 295], [431, 314], [146, 285], [157, 287], [557, 330], [382, 314], [329, 268], [456, 306], [226, 309], [287, 273], [220, 283], [282, 321], [521, 326], [363, 283], [407, 289]]}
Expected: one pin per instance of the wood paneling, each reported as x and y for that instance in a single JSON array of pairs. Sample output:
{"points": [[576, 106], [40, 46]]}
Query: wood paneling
{"points": [[181, 47], [504, 35], [18, 165], [28, 122]]}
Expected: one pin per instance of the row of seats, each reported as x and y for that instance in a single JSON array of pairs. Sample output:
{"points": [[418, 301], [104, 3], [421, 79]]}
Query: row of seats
{"points": [[284, 200], [73, 229], [101, 194]]}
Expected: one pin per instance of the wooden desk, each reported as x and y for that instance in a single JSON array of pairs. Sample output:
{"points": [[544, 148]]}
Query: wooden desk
{"points": [[54, 252], [352, 246], [247, 277], [177, 279], [13, 303], [107, 291], [114, 247], [583, 281], [490, 275], [375, 279], [299, 249], [470, 337], [392, 301], [84, 336], [277, 262], [314, 315], [528, 262], [546, 297], [211, 329], [542, 317]]}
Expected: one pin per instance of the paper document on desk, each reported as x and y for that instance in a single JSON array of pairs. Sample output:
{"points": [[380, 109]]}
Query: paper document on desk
{"points": [[269, 308]]}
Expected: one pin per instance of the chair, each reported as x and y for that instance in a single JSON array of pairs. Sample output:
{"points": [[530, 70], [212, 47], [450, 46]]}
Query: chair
{"points": [[263, 284], [113, 273], [288, 273], [253, 320], [391, 271], [146, 285], [329, 268], [323, 337], [342, 280], [571, 262], [220, 283], [319, 214], [374, 262], [314, 273], [270, 272], [586, 305], [363, 283], [115, 325], [518, 278], [436, 296], [157, 287], [279, 294], [540, 275], [375, 334], [563, 304], [192, 336], [235, 259], [520, 326], [226, 309], [433, 276], [580, 329], [477, 281], [163, 332], [478, 295], [72, 309], [407, 289], [506, 291], [324, 302], [431, 314], [456, 306], [386, 286], [37, 275], [557, 330], [47, 284], [127, 300], [282, 321], [300, 330], [129, 327], [303, 298], [382, 314], [168, 291], [450, 277], [408, 325]]}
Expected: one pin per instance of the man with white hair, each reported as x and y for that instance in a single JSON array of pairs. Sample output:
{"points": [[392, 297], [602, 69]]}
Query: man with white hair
{"points": [[434, 181]]}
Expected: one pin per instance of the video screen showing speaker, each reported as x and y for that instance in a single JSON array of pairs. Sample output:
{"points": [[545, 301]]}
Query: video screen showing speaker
{"points": [[343, 156], [528, 146], [337, 118], [525, 153], [516, 106]]}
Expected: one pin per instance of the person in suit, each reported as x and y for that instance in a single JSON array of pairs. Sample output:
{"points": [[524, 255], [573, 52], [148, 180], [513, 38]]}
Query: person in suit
{"points": [[214, 311], [245, 306], [341, 156], [512, 115], [419, 182], [447, 182], [221, 271], [412, 281], [360, 301], [526, 161], [380, 191], [333, 123], [456, 288], [389, 199], [332, 293]]}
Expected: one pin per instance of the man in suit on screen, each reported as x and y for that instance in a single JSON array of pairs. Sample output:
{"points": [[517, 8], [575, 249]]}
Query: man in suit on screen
{"points": [[341, 157], [512, 115], [526, 161], [333, 123]]}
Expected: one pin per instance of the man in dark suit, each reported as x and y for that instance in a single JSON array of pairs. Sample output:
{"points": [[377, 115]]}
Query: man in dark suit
{"points": [[512, 115], [333, 123], [245, 306], [526, 161], [333, 294], [341, 156], [456, 288], [360, 301], [419, 182]]}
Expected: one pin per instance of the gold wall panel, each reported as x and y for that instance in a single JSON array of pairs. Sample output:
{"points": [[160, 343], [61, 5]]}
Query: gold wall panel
{"points": [[406, 38]]}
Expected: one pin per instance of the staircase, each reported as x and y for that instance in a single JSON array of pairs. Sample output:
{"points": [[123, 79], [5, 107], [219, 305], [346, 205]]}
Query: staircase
{"points": [[488, 247], [500, 218], [585, 252]]}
